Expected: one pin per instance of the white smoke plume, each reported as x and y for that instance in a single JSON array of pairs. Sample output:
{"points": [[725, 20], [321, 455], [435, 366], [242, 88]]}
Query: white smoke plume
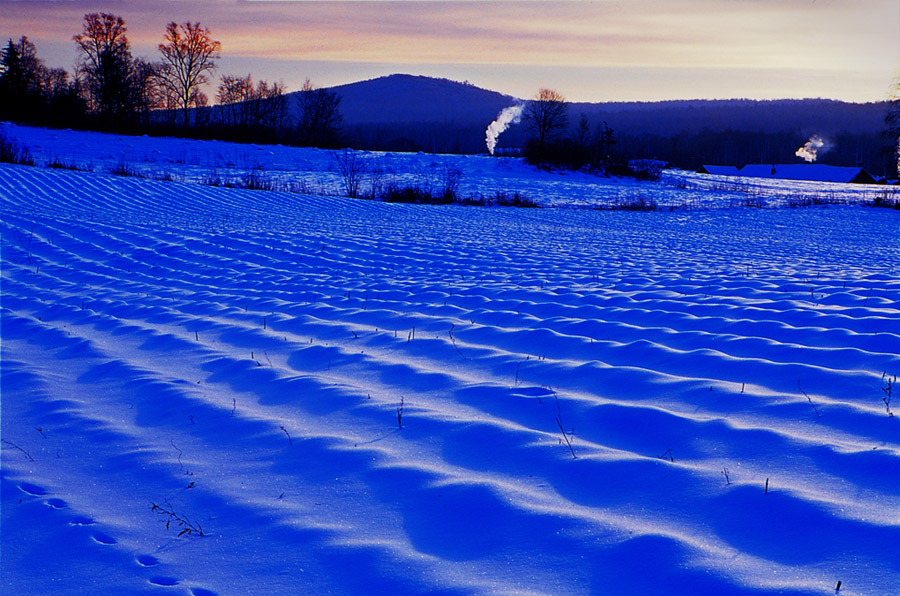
{"points": [[507, 116], [813, 148]]}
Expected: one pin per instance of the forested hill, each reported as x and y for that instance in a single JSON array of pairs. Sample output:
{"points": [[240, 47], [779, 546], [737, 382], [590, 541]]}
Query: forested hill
{"points": [[740, 131], [407, 98], [807, 116], [405, 112]]}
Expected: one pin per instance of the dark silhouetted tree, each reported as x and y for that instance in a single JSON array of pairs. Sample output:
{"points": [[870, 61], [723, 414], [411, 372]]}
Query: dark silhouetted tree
{"points": [[16, 82], [30, 92], [105, 67], [255, 110], [320, 117], [891, 137], [546, 117], [148, 89], [602, 147], [583, 132], [233, 92], [189, 56]]}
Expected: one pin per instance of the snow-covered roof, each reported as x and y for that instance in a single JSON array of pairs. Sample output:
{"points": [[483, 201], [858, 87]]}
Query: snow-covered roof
{"points": [[807, 171], [719, 170]]}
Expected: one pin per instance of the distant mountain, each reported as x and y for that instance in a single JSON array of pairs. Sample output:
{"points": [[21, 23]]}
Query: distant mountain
{"points": [[407, 98]]}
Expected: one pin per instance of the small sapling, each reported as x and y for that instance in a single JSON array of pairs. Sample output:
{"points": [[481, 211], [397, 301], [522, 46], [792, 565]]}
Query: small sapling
{"points": [[187, 526]]}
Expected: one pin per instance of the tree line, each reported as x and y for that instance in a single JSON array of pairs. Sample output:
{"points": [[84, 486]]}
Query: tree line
{"points": [[552, 141], [113, 91]]}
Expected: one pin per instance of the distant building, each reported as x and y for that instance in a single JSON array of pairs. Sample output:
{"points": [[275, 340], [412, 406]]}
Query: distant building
{"points": [[807, 171], [719, 170]]}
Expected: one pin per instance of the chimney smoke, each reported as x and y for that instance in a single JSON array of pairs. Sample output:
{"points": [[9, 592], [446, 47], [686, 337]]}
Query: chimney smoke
{"points": [[506, 117], [814, 147]]}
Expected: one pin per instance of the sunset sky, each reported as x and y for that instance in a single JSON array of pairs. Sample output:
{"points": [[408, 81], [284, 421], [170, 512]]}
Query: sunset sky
{"points": [[605, 50]]}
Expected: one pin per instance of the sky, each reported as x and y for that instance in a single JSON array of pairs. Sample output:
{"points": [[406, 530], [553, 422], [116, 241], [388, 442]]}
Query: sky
{"points": [[604, 50]]}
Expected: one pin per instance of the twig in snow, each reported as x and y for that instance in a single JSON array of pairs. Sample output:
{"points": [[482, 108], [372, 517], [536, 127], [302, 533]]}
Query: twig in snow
{"points": [[566, 437], [290, 440], [453, 339], [11, 444], [809, 399], [180, 452]]}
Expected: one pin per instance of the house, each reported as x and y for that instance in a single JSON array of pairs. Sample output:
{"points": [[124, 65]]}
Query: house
{"points": [[719, 170], [807, 171]]}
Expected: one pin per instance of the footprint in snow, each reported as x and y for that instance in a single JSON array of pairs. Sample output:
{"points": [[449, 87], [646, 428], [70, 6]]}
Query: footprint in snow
{"points": [[147, 560], [32, 489], [163, 581], [57, 503], [103, 538], [202, 592], [82, 521]]}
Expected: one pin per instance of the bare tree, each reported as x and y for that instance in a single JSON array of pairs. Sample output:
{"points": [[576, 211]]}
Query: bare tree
{"points": [[320, 118], [272, 105], [105, 65], [189, 55], [604, 139], [351, 166], [263, 107], [546, 116], [891, 133], [232, 95], [583, 132], [148, 88]]}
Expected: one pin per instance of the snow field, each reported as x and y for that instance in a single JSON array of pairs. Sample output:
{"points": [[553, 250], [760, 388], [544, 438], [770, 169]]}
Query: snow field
{"points": [[353, 397]]}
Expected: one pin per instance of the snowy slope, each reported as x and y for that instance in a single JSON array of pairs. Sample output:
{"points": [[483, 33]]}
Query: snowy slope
{"points": [[352, 397]]}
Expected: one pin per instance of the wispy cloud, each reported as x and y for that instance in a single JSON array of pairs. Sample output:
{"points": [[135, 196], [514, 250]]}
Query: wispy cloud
{"points": [[830, 38]]}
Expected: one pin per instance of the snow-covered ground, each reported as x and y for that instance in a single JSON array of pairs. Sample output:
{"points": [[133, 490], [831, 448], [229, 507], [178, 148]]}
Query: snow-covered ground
{"points": [[338, 396], [314, 171]]}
